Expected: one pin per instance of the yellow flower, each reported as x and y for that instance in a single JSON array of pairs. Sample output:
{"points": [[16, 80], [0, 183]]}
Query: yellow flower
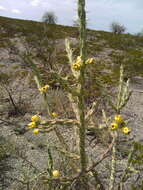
{"points": [[35, 118], [118, 118], [90, 61], [77, 65], [54, 114], [126, 130], [36, 131], [78, 60], [44, 89], [56, 174], [114, 126], [32, 125]]}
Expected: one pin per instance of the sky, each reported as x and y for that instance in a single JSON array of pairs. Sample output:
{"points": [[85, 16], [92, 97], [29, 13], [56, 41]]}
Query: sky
{"points": [[100, 13]]}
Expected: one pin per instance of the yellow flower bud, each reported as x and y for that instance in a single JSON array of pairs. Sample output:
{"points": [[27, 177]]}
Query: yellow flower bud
{"points": [[56, 174], [36, 131], [76, 66], [78, 60], [114, 126], [31, 125], [35, 118], [54, 114], [90, 61], [118, 118]]}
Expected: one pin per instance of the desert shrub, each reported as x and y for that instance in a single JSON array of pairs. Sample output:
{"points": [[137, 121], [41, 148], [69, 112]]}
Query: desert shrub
{"points": [[15, 106], [49, 18], [134, 61], [117, 28]]}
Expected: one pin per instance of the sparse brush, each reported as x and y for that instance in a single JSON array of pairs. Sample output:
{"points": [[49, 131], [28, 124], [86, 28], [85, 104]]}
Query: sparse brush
{"points": [[15, 108]]}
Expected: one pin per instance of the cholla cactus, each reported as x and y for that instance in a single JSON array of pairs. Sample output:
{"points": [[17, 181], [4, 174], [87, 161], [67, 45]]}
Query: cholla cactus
{"points": [[123, 92], [83, 117]]}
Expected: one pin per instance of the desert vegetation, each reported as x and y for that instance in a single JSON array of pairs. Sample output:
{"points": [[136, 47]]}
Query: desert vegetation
{"points": [[49, 18], [117, 28], [80, 139]]}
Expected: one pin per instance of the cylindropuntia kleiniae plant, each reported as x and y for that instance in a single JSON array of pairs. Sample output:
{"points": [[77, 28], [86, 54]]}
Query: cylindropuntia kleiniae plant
{"points": [[83, 119]]}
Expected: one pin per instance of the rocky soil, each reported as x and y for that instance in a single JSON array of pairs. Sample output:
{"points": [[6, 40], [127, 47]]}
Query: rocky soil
{"points": [[27, 149]]}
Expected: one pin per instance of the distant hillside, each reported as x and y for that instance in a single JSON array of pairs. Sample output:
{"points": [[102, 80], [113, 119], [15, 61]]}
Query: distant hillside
{"points": [[45, 43], [124, 48], [9, 27]]}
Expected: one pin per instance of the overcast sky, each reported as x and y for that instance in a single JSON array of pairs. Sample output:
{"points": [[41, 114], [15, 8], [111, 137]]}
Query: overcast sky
{"points": [[100, 13]]}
